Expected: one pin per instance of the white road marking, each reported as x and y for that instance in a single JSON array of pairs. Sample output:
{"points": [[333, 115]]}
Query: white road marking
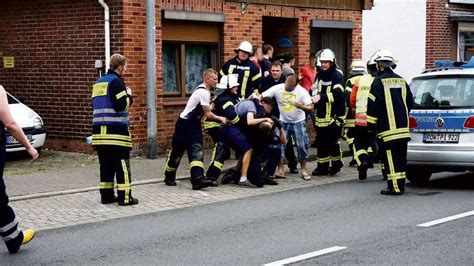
{"points": [[447, 219], [305, 256]]}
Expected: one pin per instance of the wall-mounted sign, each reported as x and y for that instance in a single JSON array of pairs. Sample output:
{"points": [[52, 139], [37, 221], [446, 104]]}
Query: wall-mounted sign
{"points": [[8, 62]]}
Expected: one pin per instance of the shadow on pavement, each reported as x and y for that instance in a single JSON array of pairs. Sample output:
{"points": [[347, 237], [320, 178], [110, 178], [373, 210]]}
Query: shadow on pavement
{"points": [[454, 181]]}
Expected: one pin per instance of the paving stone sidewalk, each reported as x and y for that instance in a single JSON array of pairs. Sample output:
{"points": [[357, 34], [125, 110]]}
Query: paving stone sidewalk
{"points": [[79, 208]]}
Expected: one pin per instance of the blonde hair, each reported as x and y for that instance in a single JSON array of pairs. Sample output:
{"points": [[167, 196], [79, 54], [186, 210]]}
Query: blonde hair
{"points": [[117, 60], [207, 72]]}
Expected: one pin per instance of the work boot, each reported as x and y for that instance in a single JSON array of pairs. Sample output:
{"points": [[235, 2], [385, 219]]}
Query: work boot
{"points": [[334, 170], [363, 171], [269, 181], [170, 182], [25, 237], [319, 172], [131, 201], [201, 183], [230, 176], [391, 192], [352, 163], [294, 170], [108, 200], [214, 183]]}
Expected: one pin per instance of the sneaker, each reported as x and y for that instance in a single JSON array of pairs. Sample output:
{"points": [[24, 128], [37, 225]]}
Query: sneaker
{"points": [[245, 183], [306, 177], [131, 201]]}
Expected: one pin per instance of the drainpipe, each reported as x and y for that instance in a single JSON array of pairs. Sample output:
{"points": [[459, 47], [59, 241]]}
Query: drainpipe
{"points": [[151, 78], [106, 33]]}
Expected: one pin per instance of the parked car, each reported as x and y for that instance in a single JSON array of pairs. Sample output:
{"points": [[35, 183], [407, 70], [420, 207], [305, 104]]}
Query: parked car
{"points": [[31, 123], [442, 122]]}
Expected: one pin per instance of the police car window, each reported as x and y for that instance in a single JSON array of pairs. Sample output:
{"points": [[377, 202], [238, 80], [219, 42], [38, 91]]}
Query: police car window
{"points": [[443, 92], [11, 100]]}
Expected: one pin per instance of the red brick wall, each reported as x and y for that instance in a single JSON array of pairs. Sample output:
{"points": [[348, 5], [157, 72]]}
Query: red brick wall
{"points": [[55, 44], [441, 34]]}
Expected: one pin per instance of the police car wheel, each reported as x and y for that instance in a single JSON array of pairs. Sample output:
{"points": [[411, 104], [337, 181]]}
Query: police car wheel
{"points": [[418, 176]]}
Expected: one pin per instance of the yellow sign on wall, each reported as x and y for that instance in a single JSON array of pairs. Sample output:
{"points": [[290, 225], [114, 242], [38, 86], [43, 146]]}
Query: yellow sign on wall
{"points": [[8, 62]]}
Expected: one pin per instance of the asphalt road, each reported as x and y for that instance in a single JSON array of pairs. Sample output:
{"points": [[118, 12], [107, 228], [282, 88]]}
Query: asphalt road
{"points": [[253, 231]]}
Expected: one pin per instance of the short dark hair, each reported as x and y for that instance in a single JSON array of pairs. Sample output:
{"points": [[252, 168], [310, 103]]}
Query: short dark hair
{"points": [[255, 49], [312, 55], [266, 48], [268, 100], [288, 57], [277, 63]]}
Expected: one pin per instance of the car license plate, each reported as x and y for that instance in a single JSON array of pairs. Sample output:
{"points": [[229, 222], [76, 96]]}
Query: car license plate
{"points": [[12, 140], [441, 138]]}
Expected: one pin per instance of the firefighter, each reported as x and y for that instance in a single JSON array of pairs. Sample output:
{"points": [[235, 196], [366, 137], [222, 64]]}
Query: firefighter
{"points": [[188, 134], [110, 133], [357, 70], [14, 238], [249, 76], [388, 108], [224, 105], [330, 112], [364, 147]]}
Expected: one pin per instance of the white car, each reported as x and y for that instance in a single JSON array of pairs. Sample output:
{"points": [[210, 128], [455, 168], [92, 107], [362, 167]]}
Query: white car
{"points": [[31, 123]]}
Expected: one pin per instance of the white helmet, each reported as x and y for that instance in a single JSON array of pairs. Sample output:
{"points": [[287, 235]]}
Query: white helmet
{"points": [[327, 55], [372, 58], [385, 55], [358, 65], [228, 81], [318, 55], [244, 46]]}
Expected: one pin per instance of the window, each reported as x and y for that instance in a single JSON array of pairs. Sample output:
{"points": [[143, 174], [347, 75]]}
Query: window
{"points": [[465, 41], [183, 65], [446, 92]]}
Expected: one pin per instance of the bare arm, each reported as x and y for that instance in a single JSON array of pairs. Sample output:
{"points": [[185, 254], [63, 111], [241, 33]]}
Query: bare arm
{"points": [[307, 108], [211, 116], [12, 126], [252, 121], [283, 136]]}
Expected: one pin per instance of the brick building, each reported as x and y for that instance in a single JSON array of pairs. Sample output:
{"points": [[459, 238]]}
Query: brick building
{"points": [[449, 30], [56, 42]]}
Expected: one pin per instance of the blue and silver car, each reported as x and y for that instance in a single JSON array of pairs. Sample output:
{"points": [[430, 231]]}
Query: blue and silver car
{"points": [[442, 122]]}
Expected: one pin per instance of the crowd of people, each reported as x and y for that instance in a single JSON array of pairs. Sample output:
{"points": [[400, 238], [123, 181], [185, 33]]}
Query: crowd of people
{"points": [[259, 107]]}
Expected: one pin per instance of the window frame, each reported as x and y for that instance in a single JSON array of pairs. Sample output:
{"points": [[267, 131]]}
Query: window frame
{"points": [[180, 63]]}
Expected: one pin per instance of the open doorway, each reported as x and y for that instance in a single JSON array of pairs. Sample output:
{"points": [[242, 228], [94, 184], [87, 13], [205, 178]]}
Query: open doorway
{"points": [[334, 39], [281, 33]]}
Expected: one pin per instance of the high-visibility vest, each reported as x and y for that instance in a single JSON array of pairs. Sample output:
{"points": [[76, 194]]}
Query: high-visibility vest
{"points": [[103, 111], [362, 98]]}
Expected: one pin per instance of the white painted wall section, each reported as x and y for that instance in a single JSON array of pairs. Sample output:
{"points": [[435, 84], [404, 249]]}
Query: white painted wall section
{"points": [[399, 26]]}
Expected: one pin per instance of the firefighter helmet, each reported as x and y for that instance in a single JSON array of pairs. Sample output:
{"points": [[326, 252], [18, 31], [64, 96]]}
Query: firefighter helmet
{"points": [[358, 65], [244, 46], [228, 81], [327, 55]]}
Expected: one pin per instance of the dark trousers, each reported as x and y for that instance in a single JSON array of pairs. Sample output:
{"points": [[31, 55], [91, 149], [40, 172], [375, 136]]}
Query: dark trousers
{"points": [[394, 160], [187, 137], [290, 154], [329, 151], [365, 146], [115, 162], [220, 153], [8, 223], [272, 155]]}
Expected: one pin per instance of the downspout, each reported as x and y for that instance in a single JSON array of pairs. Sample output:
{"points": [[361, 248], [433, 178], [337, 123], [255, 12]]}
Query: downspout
{"points": [[106, 33]]}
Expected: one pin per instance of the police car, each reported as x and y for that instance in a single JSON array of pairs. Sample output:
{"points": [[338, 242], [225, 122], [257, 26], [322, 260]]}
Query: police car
{"points": [[442, 121], [31, 123]]}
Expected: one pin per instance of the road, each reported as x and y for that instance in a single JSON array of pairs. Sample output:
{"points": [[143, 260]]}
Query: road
{"points": [[264, 229]]}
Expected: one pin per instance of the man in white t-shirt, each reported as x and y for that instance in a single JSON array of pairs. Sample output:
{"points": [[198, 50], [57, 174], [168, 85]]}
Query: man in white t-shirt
{"points": [[294, 102], [188, 133]]}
